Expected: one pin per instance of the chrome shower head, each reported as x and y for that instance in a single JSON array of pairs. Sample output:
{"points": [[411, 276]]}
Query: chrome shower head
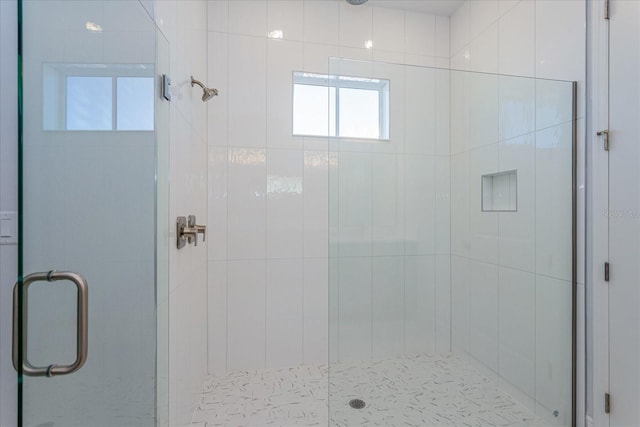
{"points": [[207, 93], [356, 2]]}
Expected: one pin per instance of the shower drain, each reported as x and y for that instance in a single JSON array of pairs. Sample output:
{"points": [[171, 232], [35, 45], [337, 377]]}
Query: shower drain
{"points": [[357, 404]]}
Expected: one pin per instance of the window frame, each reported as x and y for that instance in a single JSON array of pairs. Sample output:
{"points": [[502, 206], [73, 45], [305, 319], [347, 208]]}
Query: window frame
{"points": [[379, 85]]}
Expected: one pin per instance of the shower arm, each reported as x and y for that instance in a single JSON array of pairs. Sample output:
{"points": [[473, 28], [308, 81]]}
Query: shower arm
{"points": [[197, 82], [207, 93]]}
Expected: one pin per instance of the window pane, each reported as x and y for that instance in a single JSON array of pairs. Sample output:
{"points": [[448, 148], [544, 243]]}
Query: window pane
{"points": [[359, 111], [89, 103], [311, 110], [134, 103]]}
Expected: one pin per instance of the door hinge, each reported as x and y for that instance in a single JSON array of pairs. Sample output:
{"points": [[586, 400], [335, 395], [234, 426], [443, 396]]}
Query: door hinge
{"points": [[606, 9], [606, 271], [607, 403], [605, 136]]}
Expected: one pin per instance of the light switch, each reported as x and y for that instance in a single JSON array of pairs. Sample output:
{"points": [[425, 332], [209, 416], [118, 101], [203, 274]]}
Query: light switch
{"points": [[8, 228]]}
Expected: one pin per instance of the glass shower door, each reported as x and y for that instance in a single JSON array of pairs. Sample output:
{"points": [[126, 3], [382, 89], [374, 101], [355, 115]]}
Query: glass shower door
{"points": [[92, 191], [452, 238]]}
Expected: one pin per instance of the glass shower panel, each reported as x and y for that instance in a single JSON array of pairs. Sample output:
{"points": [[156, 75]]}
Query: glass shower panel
{"points": [[94, 197], [426, 288]]}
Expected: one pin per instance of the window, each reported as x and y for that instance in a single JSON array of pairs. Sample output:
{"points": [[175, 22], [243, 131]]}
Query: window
{"points": [[340, 106], [98, 97]]}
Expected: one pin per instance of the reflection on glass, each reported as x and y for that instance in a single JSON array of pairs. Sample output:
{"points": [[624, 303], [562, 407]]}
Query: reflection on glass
{"points": [[134, 103], [89, 103], [98, 97]]}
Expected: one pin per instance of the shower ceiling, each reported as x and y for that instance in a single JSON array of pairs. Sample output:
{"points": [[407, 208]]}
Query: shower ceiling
{"points": [[435, 7]]}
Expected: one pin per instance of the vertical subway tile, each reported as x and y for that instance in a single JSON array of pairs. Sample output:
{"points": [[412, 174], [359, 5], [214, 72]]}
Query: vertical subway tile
{"points": [[247, 91], [315, 310], [284, 205], [246, 203], [284, 316], [354, 296], [388, 306], [246, 315], [419, 299]]}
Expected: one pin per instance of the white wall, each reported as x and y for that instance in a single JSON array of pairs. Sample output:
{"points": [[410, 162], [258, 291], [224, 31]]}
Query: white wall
{"points": [[389, 223], [493, 262], [268, 254], [8, 201], [184, 25]]}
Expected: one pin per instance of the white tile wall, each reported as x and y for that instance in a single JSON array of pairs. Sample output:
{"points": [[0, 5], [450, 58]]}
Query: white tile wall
{"points": [[285, 16], [420, 224], [443, 303], [460, 304], [248, 17], [388, 233], [517, 343], [460, 204], [246, 308], [282, 57], [321, 22], [315, 202], [388, 306], [518, 232], [553, 242], [517, 103], [355, 329], [284, 316], [553, 354], [388, 28], [217, 198], [483, 109], [184, 25], [315, 310], [355, 25], [247, 89], [483, 13], [355, 204], [537, 38], [483, 313], [420, 102], [420, 34], [246, 204], [269, 191], [420, 313], [284, 203], [483, 226], [517, 40], [483, 50], [217, 316]]}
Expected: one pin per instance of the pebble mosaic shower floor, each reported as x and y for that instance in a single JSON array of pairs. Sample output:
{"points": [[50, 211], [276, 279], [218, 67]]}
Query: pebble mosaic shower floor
{"points": [[421, 390]]}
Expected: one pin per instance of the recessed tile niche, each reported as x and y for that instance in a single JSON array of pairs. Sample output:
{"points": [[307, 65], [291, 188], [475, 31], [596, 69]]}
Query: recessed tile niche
{"points": [[500, 192]]}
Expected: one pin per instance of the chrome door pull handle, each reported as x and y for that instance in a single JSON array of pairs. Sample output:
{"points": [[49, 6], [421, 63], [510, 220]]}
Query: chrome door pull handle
{"points": [[82, 343]]}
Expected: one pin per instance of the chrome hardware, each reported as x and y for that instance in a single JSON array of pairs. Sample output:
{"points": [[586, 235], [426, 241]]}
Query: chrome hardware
{"points": [[187, 231], [181, 223], [184, 233], [202, 229], [605, 135], [166, 92], [82, 344]]}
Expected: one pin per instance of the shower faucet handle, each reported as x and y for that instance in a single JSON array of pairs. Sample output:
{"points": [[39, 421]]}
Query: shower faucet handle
{"points": [[202, 229], [185, 233]]}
